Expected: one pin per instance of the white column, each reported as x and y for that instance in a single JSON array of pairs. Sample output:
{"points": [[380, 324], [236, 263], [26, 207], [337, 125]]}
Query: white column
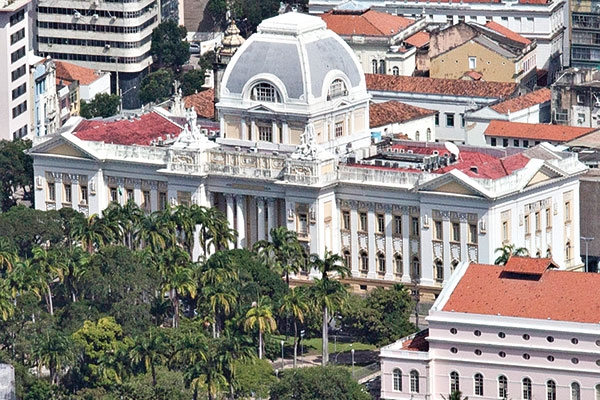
{"points": [[406, 255], [286, 132], [252, 131], [260, 217], [244, 129], [230, 215], [240, 210], [446, 232], [464, 251], [270, 216], [389, 251], [354, 239], [211, 199], [372, 274], [137, 192], [153, 196]]}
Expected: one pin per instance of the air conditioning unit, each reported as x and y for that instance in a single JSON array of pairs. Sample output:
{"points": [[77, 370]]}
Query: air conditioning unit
{"points": [[113, 18], [77, 14], [107, 46], [95, 16]]}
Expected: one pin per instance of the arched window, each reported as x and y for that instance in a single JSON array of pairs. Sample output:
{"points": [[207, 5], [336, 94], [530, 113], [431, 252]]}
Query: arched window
{"points": [[374, 65], [454, 382], [397, 380], [428, 138], [439, 271], [364, 261], [398, 266], [502, 387], [382, 67], [598, 392], [414, 381], [478, 380], [347, 259], [551, 390], [453, 266], [575, 391], [381, 263], [264, 91], [337, 89], [417, 136], [568, 251], [395, 71], [526, 385], [549, 253], [416, 268]]}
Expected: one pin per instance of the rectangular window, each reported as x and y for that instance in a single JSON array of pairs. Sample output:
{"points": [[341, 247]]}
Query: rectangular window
{"points": [[526, 225], [437, 119], [538, 222], [567, 211], [398, 225], [472, 62], [346, 220], [302, 225], [265, 133], [363, 221], [438, 230], [20, 109], [380, 223], [414, 225], [17, 55], [548, 218], [456, 232], [18, 35], [83, 194], [473, 233], [114, 194], [51, 191], [129, 194], [19, 91], [162, 200], [339, 129], [449, 120], [525, 143], [516, 142], [505, 142], [68, 193], [493, 141], [505, 236], [146, 199], [17, 17], [462, 120]]}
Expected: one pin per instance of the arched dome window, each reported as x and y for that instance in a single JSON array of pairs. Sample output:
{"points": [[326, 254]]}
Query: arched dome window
{"points": [[264, 91], [337, 89]]}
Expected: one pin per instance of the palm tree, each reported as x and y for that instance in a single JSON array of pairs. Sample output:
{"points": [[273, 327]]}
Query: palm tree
{"points": [[214, 231], [7, 306], [49, 267], [148, 351], [8, 255], [93, 232], [185, 226], [456, 395], [261, 316], [54, 350], [155, 231], [76, 261], [331, 264], [507, 251], [177, 278], [329, 295], [284, 252], [295, 303]]}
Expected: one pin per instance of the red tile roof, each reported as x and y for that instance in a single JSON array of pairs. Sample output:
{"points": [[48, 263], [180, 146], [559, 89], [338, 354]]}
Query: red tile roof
{"points": [[395, 112], [528, 265], [71, 72], [541, 132], [455, 87], [490, 1], [522, 102], [487, 166], [418, 342], [507, 33], [369, 23], [203, 103], [137, 131], [419, 39], [556, 295], [476, 76]]}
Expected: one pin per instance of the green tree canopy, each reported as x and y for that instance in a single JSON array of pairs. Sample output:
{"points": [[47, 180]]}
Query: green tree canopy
{"points": [[192, 82], [16, 171], [318, 383], [102, 105], [156, 87], [169, 48]]}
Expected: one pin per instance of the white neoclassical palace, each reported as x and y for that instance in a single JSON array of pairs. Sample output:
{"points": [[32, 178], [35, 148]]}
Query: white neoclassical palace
{"points": [[295, 150]]}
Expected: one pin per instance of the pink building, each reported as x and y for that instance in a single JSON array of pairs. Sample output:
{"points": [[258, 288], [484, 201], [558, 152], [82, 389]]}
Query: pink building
{"points": [[519, 331]]}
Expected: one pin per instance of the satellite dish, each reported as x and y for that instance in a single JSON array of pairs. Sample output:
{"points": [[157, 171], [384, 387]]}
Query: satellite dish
{"points": [[452, 148]]}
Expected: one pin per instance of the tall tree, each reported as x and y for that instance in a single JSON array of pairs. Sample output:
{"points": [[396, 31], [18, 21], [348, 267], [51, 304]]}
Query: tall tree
{"points": [[260, 316], [156, 86], [177, 278], [49, 268], [169, 49], [55, 351], [102, 105], [296, 304], [328, 294], [283, 252], [148, 351], [16, 172]]}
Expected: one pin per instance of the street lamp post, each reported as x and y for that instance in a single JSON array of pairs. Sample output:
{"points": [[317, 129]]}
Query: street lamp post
{"points": [[352, 351], [282, 363], [586, 240], [121, 94], [302, 345]]}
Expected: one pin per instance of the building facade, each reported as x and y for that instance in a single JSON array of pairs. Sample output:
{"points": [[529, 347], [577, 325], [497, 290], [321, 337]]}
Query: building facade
{"points": [[295, 150], [45, 118], [585, 39], [15, 103], [101, 35], [484, 342], [576, 98]]}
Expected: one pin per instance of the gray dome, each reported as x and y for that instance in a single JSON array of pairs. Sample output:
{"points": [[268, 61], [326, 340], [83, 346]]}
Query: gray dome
{"points": [[298, 54]]}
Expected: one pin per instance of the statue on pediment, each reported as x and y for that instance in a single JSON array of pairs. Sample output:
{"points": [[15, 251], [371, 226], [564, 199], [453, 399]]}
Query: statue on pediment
{"points": [[307, 150]]}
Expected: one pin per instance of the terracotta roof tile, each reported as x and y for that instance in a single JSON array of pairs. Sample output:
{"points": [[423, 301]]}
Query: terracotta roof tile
{"points": [[528, 265], [507, 33], [456, 87], [522, 102], [71, 72], [473, 75], [203, 103], [369, 23], [395, 112], [419, 39], [541, 132], [555, 295], [138, 131]]}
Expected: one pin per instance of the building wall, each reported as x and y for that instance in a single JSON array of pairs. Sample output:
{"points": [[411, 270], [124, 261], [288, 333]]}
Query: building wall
{"points": [[14, 72], [100, 85], [422, 129]]}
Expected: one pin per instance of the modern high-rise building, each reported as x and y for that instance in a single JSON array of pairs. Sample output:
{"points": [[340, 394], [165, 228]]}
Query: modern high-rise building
{"points": [[585, 33], [105, 35], [14, 77]]}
